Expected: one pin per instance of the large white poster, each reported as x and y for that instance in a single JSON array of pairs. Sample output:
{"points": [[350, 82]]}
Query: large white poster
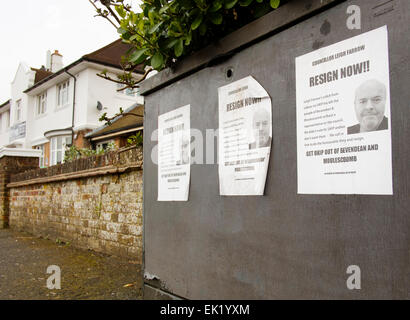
{"points": [[245, 137], [174, 134], [343, 117]]}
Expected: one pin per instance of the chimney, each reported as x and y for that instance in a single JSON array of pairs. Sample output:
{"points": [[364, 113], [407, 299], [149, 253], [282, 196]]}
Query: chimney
{"points": [[56, 61], [48, 60]]}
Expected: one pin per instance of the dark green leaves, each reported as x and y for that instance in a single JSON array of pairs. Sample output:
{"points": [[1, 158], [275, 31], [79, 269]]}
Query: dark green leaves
{"points": [[197, 22], [261, 9], [163, 31], [121, 11], [202, 29], [245, 3], [121, 31], [178, 48], [274, 3], [229, 4], [216, 5], [157, 60], [216, 18], [163, 9], [138, 56], [170, 43], [155, 28]]}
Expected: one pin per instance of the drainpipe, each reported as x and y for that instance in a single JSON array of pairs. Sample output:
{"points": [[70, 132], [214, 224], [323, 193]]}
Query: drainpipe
{"points": [[72, 120]]}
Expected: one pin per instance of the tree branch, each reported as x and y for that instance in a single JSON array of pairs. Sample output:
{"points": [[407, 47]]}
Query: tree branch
{"points": [[127, 84], [109, 78], [102, 15], [109, 119], [112, 12]]}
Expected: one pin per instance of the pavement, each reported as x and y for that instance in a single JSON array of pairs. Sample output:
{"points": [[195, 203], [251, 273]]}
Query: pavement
{"points": [[85, 275]]}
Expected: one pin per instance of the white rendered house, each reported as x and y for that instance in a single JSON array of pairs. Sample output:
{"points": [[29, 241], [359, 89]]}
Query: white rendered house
{"points": [[56, 106], [4, 123]]}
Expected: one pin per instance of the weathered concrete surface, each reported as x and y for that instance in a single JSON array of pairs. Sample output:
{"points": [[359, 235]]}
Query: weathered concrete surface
{"points": [[84, 274], [284, 245]]}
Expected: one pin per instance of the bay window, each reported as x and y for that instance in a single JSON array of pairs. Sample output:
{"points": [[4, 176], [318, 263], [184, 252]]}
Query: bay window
{"points": [[58, 147]]}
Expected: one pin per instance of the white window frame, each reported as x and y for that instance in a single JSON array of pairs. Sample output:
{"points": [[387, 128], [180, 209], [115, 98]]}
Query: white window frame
{"points": [[57, 148], [1, 122], [19, 111], [41, 107], [41, 147], [100, 145], [63, 94], [7, 113]]}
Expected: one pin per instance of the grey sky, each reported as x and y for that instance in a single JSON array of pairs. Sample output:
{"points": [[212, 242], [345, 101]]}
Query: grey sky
{"points": [[31, 27]]}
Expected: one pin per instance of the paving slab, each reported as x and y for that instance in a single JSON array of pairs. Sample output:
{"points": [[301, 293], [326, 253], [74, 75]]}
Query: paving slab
{"points": [[85, 275]]}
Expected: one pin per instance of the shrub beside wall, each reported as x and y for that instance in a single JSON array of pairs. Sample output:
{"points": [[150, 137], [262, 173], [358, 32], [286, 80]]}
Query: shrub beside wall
{"points": [[93, 203]]}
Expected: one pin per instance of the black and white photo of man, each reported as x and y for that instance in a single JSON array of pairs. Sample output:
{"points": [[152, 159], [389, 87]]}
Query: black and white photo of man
{"points": [[370, 104], [183, 156], [261, 129]]}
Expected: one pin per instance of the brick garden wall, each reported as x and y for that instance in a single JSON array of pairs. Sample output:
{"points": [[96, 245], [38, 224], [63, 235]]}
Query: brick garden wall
{"points": [[7, 165], [93, 203]]}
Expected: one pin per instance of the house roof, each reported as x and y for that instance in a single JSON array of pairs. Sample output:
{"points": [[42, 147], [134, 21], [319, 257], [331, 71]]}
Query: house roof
{"points": [[109, 56], [121, 123], [41, 74]]}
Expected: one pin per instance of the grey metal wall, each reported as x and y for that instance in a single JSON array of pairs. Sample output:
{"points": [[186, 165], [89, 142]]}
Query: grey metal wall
{"points": [[282, 245]]}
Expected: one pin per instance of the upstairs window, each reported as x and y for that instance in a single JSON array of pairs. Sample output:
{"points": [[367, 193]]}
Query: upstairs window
{"points": [[41, 104], [19, 111], [62, 93], [7, 116]]}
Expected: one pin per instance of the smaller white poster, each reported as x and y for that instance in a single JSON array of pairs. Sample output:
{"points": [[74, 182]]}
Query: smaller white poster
{"points": [[245, 137], [174, 134]]}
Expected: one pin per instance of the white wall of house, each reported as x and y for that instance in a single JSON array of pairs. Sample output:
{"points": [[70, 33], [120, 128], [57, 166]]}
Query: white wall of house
{"points": [[4, 125], [55, 116], [89, 90], [23, 79], [83, 86], [98, 89]]}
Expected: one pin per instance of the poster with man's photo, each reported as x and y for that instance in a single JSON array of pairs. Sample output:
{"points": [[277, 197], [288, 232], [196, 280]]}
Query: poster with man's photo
{"points": [[343, 117], [174, 136], [245, 137]]}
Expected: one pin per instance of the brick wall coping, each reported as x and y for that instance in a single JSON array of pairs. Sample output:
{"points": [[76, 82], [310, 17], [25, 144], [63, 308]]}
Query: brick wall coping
{"points": [[77, 175], [18, 152], [117, 161]]}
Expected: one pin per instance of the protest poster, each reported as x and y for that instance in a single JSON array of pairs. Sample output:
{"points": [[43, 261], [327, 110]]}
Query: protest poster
{"points": [[174, 134], [245, 137], [343, 117]]}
